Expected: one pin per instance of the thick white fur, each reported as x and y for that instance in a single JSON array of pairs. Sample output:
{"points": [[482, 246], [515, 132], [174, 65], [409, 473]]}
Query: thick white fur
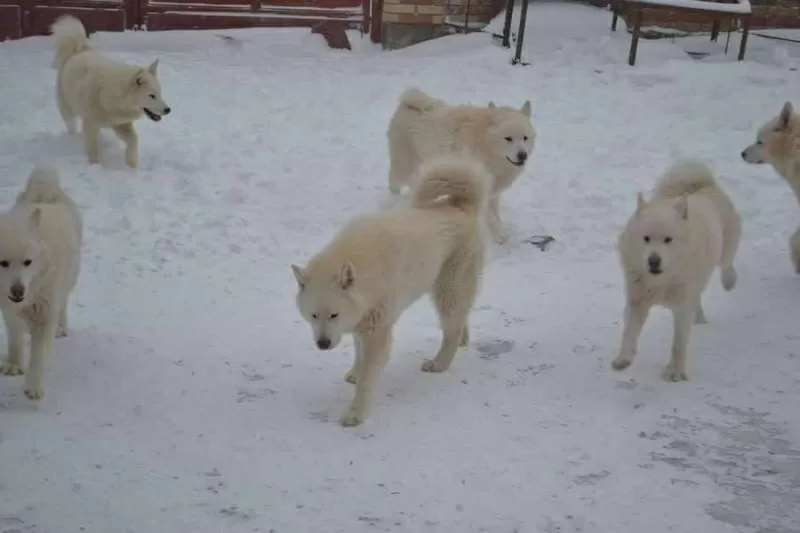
{"points": [[40, 241], [693, 227], [380, 264], [103, 92], [778, 143], [423, 127]]}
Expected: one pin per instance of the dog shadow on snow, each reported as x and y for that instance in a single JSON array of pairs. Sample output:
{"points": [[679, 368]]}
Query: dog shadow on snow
{"points": [[59, 146]]}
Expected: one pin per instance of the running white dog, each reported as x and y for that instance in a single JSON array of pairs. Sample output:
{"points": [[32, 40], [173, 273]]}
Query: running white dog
{"points": [[103, 92], [778, 143], [669, 250], [501, 137], [40, 241], [380, 264]]}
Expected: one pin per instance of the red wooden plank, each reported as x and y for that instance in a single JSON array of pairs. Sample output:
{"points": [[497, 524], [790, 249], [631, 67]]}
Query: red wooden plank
{"points": [[210, 5], [10, 22], [264, 11], [221, 21], [94, 19]]}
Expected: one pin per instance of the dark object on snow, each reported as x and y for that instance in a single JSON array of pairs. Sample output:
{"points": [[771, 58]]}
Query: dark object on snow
{"points": [[540, 241], [520, 36]]}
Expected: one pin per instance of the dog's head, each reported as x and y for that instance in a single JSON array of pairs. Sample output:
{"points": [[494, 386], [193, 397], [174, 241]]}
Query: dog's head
{"points": [[147, 93], [327, 301], [656, 241], [510, 134], [20, 254], [773, 138]]}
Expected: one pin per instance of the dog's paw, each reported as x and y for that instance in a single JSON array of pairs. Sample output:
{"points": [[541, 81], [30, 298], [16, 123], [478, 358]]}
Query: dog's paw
{"points": [[350, 377], [34, 392], [132, 162], [673, 374], [621, 363], [729, 278], [351, 418], [501, 237], [11, 369], [62, 332], [431, 365]]}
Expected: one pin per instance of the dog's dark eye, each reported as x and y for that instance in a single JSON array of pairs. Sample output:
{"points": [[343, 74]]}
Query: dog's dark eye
{"points": [[646, 238], [27, 262], [667, 240], [152, 97], [509, 139], [525, 138], [333, 315], [759, 143], [4, 264], [315, 316]]}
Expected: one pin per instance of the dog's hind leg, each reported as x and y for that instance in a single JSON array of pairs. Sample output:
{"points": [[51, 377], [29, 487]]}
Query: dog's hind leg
{"points": [[352, 374], [499, 234], [91, 138], [63, 323], [682, 318], [700, 315], [453, 296], [66, 113], [636, 314], [376, 346], [402, 161], [730, 245], [128, 135], [15, 330]]}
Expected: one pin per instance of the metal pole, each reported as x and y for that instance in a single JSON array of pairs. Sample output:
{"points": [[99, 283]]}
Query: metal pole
{"points": [[523, 16], [507, 24]]}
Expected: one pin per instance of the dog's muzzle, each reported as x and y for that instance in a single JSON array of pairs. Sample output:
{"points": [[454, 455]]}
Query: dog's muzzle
{"points": [[155, 117], [521, 158], [16, 294]]}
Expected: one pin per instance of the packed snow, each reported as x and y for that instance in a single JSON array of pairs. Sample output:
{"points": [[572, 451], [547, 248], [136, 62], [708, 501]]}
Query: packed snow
{"points": [[190, 397]]}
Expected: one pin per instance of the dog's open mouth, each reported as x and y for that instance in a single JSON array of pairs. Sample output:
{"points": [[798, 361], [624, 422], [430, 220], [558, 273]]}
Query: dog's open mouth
{"points": [[16, 299], [515, 163], [655, 271], [152, 116]]}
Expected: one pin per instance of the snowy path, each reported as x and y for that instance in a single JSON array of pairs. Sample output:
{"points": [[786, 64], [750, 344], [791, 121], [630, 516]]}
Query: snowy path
{"points": [[190, 397]]}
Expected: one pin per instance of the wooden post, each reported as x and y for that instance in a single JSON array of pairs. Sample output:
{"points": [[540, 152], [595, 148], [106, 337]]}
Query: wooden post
{"points": [[615, 15], [637, 27], [715, 30], [745, 34]]}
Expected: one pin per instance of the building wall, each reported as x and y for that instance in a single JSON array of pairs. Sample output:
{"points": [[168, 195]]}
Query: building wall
{"points": [[407, 22]]}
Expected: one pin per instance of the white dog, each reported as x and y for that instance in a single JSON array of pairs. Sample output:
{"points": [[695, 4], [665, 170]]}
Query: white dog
{"points": [[104, 93], [380, 264], [669, 250], [501, 137], [40, 241], [778, 143]]}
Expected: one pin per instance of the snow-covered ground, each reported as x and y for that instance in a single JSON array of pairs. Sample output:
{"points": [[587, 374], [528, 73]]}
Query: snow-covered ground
{"points": [[190, 396]]}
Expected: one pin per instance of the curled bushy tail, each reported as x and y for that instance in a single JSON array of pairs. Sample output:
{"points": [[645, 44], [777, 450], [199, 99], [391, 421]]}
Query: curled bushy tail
{"points": [[418, 101], [685, 176], [461, 178], [43, 188], [70, 37]]}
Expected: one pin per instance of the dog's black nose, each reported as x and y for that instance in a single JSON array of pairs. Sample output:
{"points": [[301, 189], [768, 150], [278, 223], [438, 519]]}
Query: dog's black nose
{"points": [[17, 293], [744, 153], [654, 262], [522, 156], [324, 344], [167, 110]]}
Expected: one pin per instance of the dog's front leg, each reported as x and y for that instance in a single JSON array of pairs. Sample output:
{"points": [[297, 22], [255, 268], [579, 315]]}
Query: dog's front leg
{"points": [[376, 346], [15, 331], [42, 335], [682, 319], [91, 138], [352, 374], [794, 249], [493, 220], [127, 134], [636, 314]]}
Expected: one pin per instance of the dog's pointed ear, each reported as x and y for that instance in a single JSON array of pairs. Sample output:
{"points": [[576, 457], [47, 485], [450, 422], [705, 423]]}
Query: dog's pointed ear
{"points": [[347, 275], [526, 108], [138, 78], [786, 115], [640, 203], [36, 218], [299, 275], [491, 105], [153, 67], [682, 207]]}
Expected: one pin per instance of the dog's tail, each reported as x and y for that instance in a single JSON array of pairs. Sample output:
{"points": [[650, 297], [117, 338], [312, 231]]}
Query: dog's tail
{"points": [[462, 179], [686, 176], [418, 101], [43, 188], [70, 37]]}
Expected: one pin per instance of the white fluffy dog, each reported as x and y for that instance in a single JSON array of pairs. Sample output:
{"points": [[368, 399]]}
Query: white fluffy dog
{"points": [[669, 250], [380, 264], [104, 93], [40, 241], [501, 137]]}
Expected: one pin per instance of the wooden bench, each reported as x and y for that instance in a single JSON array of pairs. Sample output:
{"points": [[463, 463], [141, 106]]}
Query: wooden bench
{"points": [[716, 11]]}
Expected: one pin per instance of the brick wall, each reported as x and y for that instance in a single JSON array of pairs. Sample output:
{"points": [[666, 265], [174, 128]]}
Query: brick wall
{"points": [[422, 12]]}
